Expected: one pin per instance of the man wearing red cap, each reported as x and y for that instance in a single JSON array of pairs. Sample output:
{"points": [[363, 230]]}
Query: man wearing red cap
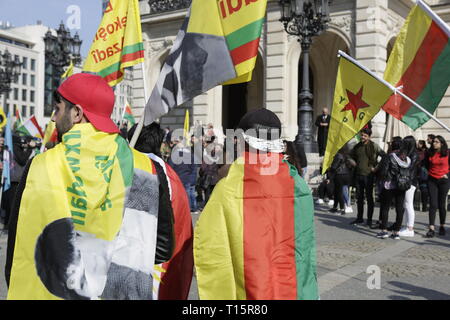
{"points": [[86, 214]]}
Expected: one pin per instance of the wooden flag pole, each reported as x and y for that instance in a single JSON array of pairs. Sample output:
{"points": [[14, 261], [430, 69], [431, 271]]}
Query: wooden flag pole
{"points": [[140, 125], [394, 89]]}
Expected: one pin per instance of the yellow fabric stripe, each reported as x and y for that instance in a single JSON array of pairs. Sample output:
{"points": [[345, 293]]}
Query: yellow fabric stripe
{"points": [[219, 267], [240, 13], [205, 18], [245, 70], [407, 44]]}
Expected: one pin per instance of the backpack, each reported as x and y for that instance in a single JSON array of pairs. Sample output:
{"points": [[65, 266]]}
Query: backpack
{"points": [[403, 179]]}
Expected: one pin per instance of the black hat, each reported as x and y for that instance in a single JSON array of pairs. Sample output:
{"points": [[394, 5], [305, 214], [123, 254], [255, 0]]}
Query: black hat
{"points": [[261, 119]]}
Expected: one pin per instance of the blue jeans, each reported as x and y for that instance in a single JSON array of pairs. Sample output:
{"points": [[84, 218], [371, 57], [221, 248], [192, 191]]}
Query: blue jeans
{"points": [[190, 190], [346, 195]]}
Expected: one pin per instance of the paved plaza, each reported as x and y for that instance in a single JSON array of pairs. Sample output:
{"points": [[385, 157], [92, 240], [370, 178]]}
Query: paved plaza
{"points": [[411, 268]]}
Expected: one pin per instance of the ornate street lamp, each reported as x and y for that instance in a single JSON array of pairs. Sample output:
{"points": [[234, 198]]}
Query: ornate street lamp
{"points": [[9, 72], [305, 19], [59, 51]]}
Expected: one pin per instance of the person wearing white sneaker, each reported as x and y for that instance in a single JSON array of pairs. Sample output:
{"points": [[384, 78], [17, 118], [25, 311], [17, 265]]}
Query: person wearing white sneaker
{"points": [[331, 203], [410, 145], [320, 201], [406, 232]]}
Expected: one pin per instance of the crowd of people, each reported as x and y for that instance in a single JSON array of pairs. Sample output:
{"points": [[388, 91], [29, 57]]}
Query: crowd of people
{"points": [[393, 177], [94, 218]]}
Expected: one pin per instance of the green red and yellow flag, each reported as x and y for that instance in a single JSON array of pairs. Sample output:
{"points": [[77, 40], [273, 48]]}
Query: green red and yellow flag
{"points": [[358, 97], [128, 115], [117, 43], [255, 239], [419, 65]]}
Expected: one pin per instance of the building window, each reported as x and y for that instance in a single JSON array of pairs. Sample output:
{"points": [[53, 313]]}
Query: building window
{"points": [[24, 95], [24, 111], [33, 65], [7, 109], [32, 80], [31, 111], [31, 95], [25, 63], [16, 94], [24, 79], [15, 108]]}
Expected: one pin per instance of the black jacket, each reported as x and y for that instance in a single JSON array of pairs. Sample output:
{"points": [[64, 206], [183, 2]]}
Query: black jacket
{"points": [[340, 166], [390, 164]]}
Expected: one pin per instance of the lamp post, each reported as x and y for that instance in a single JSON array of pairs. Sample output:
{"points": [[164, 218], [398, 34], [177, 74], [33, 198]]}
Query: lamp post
{"points": [[305, 19], [59, 51], [9, 72]]}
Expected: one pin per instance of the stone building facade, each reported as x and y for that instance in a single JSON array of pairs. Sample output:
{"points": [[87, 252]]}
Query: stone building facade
{"points": [[366, 29]]}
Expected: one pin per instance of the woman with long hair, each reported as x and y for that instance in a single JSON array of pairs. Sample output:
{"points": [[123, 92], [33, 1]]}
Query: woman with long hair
{"points": [[291, 155], [411, 151], [393, 186], [437, 163], [422, 174]]}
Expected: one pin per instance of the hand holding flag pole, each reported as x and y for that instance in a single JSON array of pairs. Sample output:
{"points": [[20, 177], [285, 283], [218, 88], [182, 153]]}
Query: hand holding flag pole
{"points": [[394, 89]]}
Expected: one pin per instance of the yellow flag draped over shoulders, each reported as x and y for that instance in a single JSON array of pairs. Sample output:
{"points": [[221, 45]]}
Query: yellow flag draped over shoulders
{"points": [[83, 222], [358, 97]]}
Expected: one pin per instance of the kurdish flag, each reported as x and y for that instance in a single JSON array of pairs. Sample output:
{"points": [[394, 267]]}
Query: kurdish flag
{"points": [[117, 43], [420, 63], [358, 97], [18, 121], [255, 239], [31, 128], [128, 115], [217, 44]]}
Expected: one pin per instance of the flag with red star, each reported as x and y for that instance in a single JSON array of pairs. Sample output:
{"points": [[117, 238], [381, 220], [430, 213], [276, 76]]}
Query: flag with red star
{"points": [[358, 97]]}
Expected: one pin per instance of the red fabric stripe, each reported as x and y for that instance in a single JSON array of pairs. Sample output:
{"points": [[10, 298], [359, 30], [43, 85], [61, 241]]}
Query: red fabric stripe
{"points": [[113, 76], [132, 56], [269, 232], [34, 120], [176, 281], [416, 77], [245, 52]]}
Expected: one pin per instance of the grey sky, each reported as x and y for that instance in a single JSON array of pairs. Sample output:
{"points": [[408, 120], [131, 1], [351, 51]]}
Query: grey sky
{"points": [[52, 12]]}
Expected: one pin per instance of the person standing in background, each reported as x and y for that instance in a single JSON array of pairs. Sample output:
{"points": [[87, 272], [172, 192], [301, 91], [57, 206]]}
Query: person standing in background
{"points": [[422, 175], [365, 154], [323, 124], [437, 163], [410, 146]]}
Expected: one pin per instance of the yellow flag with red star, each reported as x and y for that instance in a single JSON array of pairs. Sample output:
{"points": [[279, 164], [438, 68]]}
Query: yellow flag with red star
{"points": [[358, 97]]}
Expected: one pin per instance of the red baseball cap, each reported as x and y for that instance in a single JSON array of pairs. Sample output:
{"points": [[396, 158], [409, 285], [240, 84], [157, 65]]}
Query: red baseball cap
{"points": [[95, 96]]}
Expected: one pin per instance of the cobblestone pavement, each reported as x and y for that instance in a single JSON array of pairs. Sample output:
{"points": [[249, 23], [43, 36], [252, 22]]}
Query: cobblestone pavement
{"points": [[411, 268]]}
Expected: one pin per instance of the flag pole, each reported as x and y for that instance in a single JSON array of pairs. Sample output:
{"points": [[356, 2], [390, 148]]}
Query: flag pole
{"points": [[394, 89], [140, 125]]}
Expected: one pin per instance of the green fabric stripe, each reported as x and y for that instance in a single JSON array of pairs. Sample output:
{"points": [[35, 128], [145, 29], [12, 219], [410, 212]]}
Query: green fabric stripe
{"points": [[133, 48], [305, 240], [129, 118], [111, 69], [78, 221], [125, 156], [433, 92], [244, 35]]}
